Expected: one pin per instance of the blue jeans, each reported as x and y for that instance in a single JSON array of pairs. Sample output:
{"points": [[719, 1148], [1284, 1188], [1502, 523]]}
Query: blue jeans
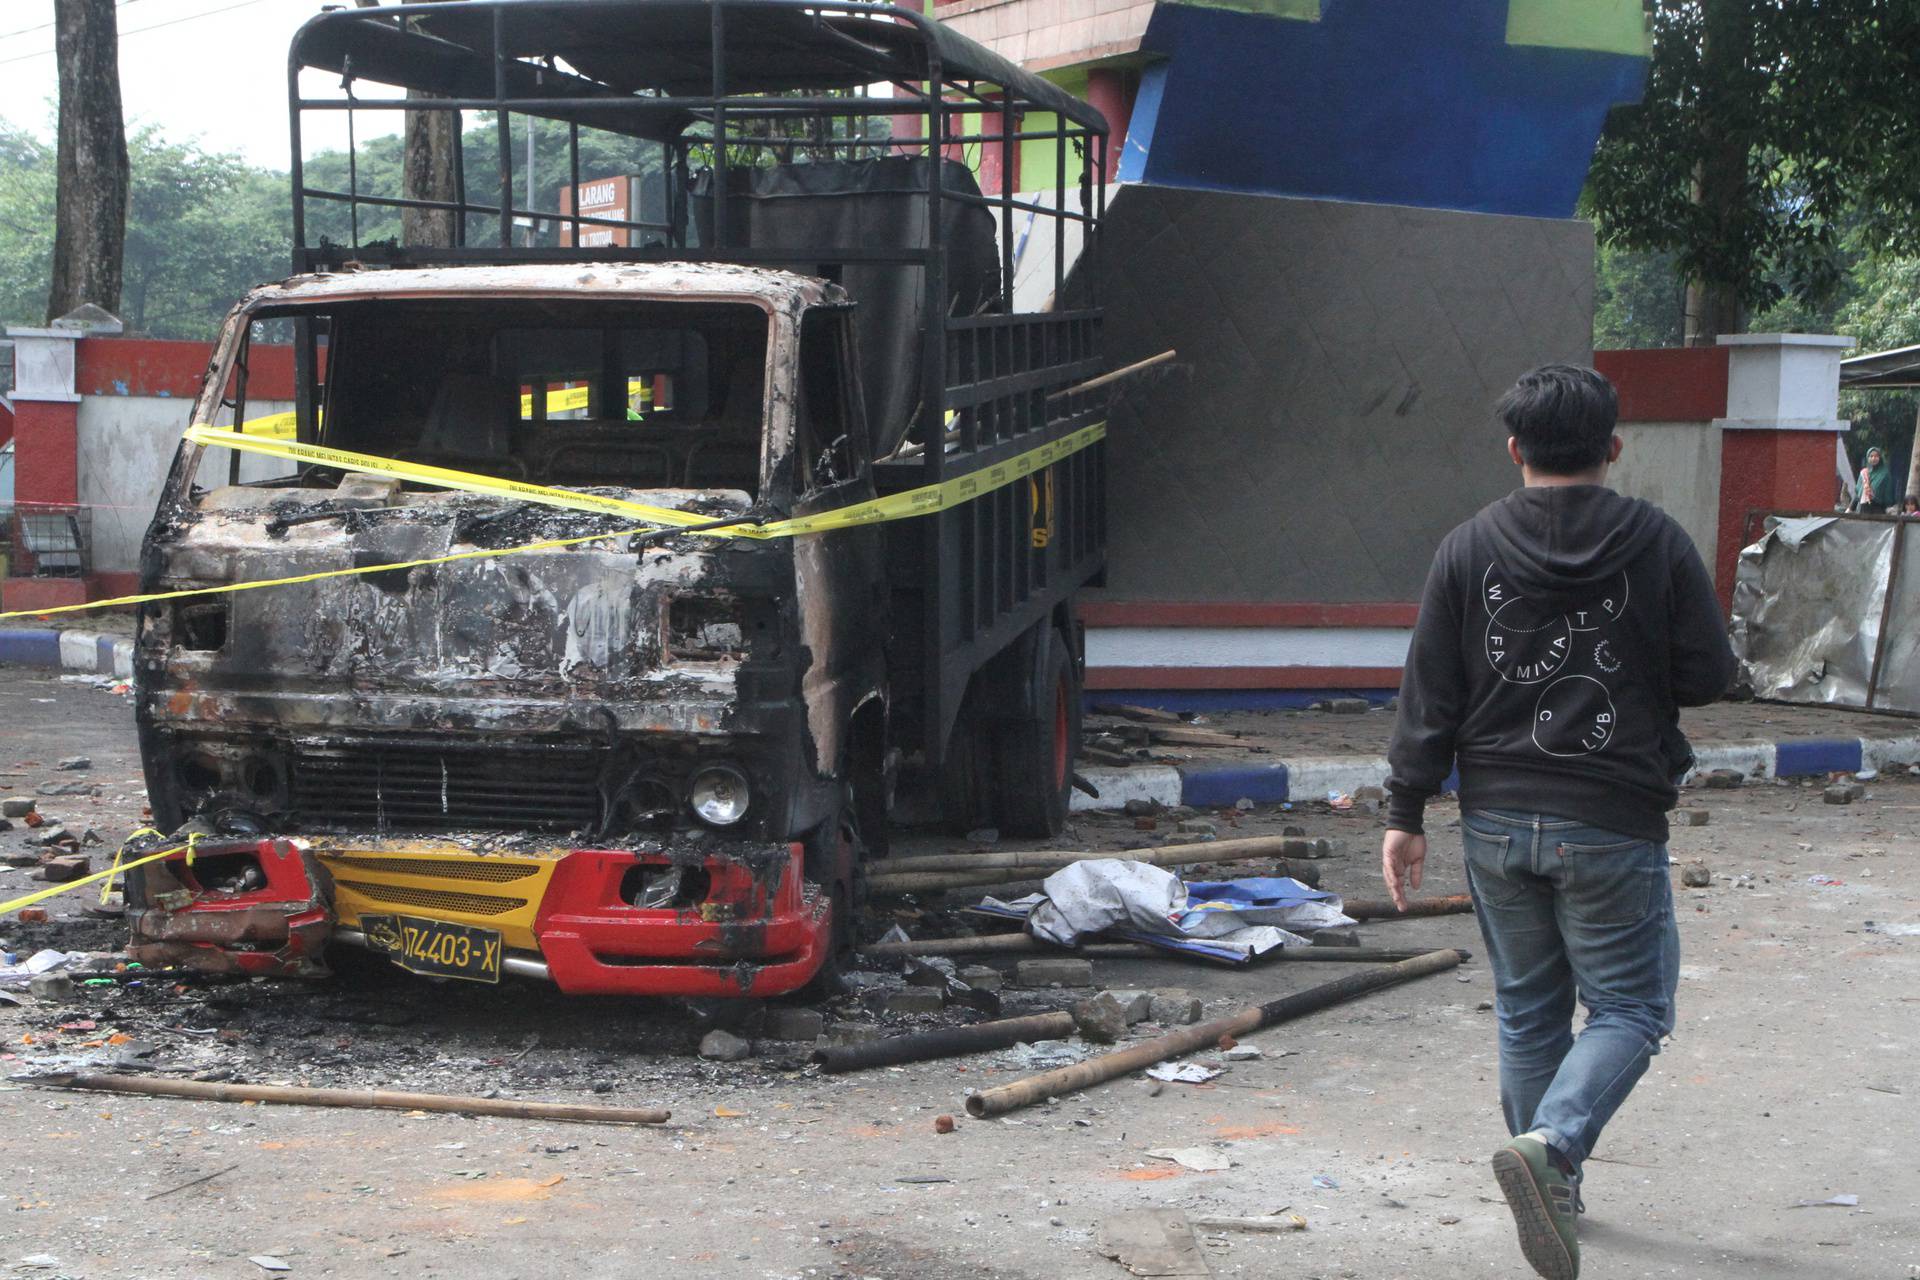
{"points": [[1568, 909]]}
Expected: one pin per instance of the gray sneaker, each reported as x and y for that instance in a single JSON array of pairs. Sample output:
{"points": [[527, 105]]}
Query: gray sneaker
{"points": [[1542, 1199]]}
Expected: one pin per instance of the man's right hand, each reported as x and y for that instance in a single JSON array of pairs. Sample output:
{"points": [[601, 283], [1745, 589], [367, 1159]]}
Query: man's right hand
{"points": [[1402, 855]]}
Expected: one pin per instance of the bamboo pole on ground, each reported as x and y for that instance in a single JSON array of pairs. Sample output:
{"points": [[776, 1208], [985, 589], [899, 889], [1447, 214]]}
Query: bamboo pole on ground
{"points": [[1108, 1066], [363, 1099], [1026, 944], [1163, 855], [944, 1042]]}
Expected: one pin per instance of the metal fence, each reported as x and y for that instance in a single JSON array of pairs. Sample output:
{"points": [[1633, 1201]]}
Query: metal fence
{"points": [[51, 541], [1826, 610]]}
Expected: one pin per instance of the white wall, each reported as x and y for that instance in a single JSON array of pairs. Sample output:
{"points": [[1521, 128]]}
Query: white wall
{"points": [[1675, 466], [126, 445]]}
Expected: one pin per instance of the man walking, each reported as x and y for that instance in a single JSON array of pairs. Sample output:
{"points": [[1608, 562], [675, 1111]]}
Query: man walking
{"points": [[1561, 630]]}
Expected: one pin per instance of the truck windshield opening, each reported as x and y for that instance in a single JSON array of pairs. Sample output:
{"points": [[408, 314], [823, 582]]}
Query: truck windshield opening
{"points": [[641, 396]]}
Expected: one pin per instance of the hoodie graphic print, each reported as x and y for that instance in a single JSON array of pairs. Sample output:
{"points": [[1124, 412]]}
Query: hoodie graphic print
{"points": [[1561, 630]]}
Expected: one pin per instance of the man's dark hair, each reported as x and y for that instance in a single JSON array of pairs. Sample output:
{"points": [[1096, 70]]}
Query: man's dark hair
{"points": [[1561, 417]]}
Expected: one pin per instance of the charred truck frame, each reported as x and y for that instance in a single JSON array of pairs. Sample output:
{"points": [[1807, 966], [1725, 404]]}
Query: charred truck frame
{"points": [[495, 728]]}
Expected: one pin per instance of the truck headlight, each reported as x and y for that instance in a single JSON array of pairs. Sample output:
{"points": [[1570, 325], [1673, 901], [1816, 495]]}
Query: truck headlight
{"points": [[719, 795]]}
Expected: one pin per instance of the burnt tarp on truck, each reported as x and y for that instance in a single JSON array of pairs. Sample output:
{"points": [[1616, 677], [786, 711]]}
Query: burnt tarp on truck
{"points": [[879, 202]]}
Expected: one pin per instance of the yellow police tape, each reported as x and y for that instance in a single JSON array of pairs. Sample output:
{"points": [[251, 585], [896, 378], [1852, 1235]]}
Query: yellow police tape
{"points": [[118, 866], [924, 500]]}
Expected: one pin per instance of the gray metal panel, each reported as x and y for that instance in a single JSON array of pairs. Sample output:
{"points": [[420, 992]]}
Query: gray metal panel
{"points": [[1808, 601], [1898, 686], [1344, 359]]}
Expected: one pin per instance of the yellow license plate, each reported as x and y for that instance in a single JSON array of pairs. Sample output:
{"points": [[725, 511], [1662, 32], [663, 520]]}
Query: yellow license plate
{"points": [[436, 947]]}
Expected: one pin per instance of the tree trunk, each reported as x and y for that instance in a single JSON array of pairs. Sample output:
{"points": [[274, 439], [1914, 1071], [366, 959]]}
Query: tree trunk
{"points": [[1913, 462], [427, 172], [90, 217], [1713, 306]]}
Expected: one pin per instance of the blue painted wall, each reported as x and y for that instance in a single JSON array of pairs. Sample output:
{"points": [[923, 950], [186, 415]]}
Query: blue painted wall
{"points": [[1382, 101]]}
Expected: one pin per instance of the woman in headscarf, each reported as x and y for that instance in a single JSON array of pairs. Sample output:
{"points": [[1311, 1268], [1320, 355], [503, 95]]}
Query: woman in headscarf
{"points": [[1876, 484]]}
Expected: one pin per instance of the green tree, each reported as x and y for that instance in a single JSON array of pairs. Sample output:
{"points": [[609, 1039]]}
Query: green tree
{"points": [[1769, 129]]}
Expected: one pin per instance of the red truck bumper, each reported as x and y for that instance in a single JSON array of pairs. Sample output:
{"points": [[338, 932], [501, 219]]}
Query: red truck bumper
{"points": [[734, 922]]}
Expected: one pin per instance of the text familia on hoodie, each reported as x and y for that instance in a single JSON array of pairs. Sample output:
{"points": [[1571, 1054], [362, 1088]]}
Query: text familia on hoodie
{"points": [[1561, 631]]}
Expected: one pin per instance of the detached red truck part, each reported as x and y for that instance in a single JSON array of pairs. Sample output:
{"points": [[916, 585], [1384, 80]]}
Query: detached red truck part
{"points": [[563, 742]]}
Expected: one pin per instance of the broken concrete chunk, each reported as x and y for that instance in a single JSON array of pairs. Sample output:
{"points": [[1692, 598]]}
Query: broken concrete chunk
{"points": [[16, 806], [1054, 972], [1242, 1053], [1348, 706], [1724, 779], [794, 1024], [724, 1046], [1175, 1008], [915, 1000], [1346, 936], [75, 763], [50, 986], [53, 835], [1838, 793], [842, 1034], [1136, 1005], [931, 971], [1696, 875], [1137, 808], [1100, 1019], [69, 866], [983, 977], [1690, 817], [1199, 827]]}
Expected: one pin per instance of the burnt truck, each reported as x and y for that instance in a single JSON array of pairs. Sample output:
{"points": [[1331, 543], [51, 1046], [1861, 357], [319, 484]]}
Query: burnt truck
{"points": [[608, 569]]}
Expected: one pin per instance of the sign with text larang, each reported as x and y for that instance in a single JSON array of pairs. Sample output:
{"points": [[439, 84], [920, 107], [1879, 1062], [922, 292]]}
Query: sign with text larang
{"points": [[601, 198]]}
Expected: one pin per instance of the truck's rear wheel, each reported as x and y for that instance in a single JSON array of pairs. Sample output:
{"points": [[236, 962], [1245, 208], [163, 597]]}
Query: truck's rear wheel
{"points": [[1034, 755]]}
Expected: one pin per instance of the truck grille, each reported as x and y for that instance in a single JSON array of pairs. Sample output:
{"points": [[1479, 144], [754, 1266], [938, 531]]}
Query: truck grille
{"points": [[432, 788]]}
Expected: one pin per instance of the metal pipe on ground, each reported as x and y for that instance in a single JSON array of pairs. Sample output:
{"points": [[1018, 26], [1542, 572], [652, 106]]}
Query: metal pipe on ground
{"points": [[946, 1042], [1459, 904], [1026, 944], [362, 1099], [1108, 1066]]}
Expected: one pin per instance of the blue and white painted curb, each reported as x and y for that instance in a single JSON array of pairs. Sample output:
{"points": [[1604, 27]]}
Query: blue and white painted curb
{"points": [[1213, 786], [69, 650]]}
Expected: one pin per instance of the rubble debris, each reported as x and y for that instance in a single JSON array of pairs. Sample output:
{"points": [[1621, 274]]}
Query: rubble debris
{"points": [[1724, 780], [944, 1042], [1101, 1019], [794, 1024], [1347, 706], [1138, 808], [54, 835], [51, 987], [1690, 817], [1370, 799], [723, 1046], [839, 1034], [1182, 1073], [983, 977], [361, 1099], [267, 1262], [74, 764], [1340, 936], [943, 1124], [1696, 875], [1020, 1093], [1175, 1009], [1052, 972], [1839, 793], [66, 867], [1153, 1242], [916, 1000], [1243, 1053], [1270, 1222], [1198, 1159], [16, 806]]}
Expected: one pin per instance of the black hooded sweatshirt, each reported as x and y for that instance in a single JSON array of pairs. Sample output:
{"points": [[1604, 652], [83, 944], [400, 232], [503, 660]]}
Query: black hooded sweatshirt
{"points": [[1561, 631]]}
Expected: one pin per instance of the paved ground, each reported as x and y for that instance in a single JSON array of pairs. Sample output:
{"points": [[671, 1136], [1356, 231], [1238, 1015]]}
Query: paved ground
{"points": [[1791, 1078]]}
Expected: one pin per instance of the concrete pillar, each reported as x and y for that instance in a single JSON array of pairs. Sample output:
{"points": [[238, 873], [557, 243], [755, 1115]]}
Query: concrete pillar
{"points": [[1776, 445]]}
